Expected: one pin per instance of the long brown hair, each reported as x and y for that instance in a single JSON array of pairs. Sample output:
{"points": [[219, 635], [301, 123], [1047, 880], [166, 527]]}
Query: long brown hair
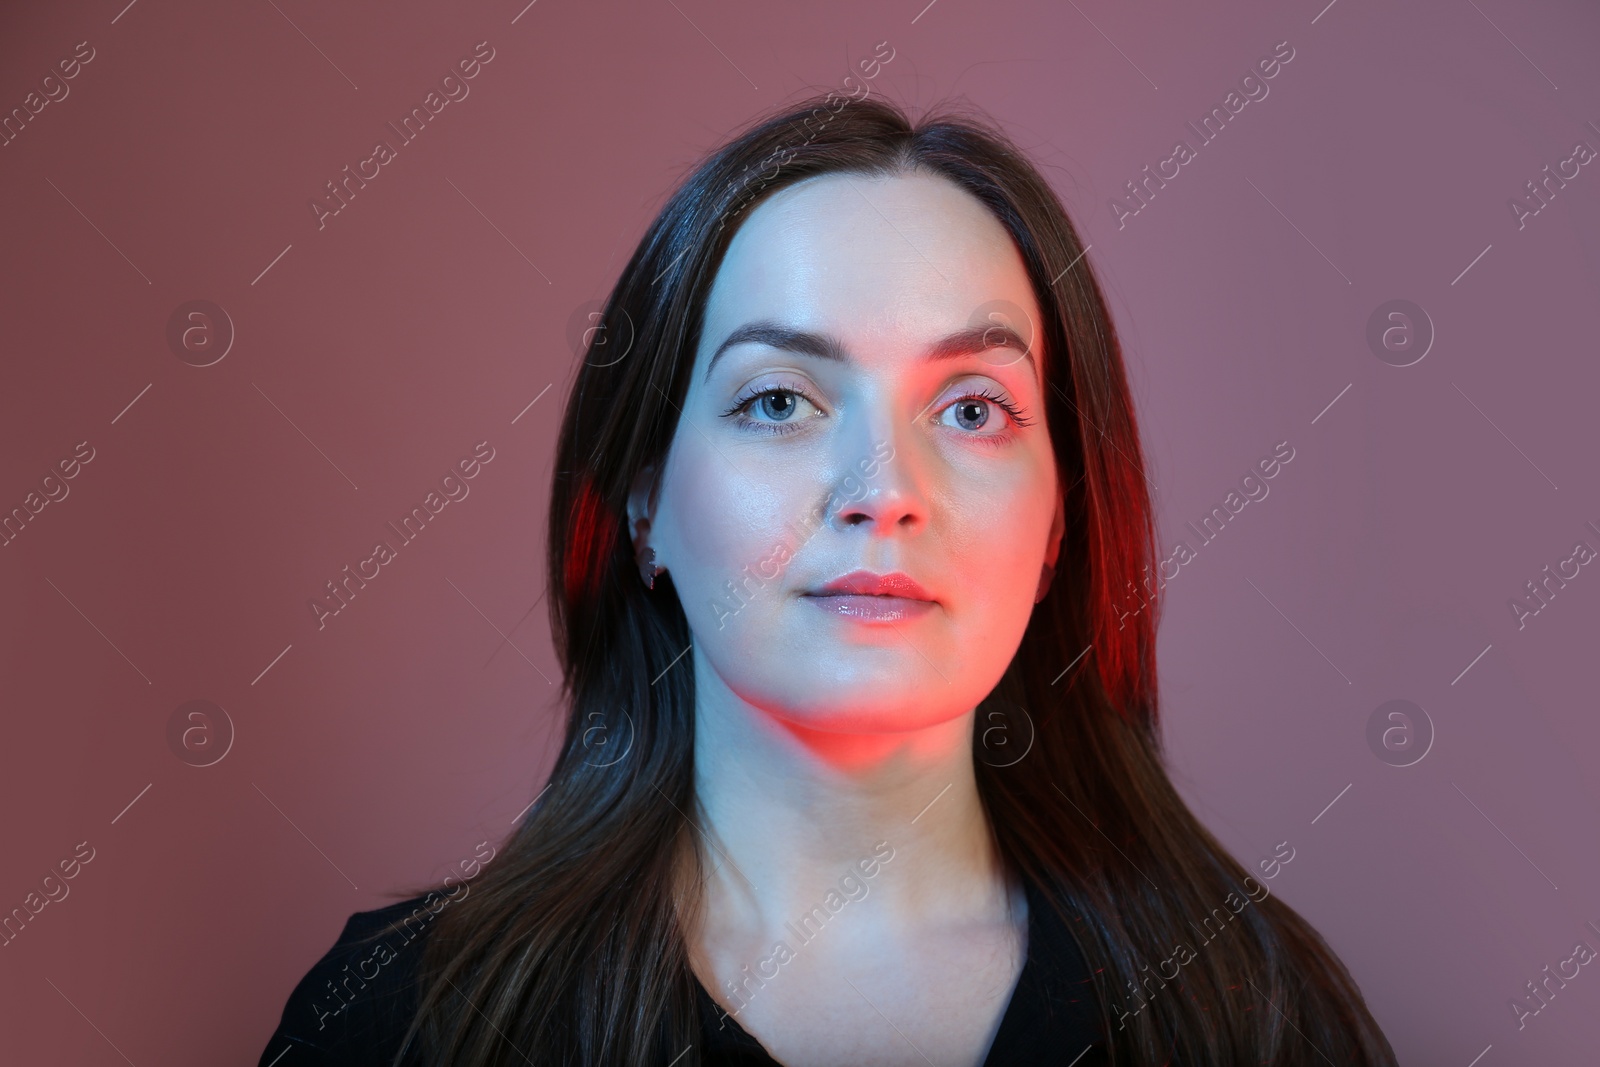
{"points": [[569, 950]]}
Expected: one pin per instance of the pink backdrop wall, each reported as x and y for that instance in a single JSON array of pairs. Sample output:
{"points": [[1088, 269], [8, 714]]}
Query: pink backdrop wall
{"points": [[364, 356]]}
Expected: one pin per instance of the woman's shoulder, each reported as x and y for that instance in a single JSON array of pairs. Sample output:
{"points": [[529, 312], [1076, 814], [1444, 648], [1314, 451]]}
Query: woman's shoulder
{"points": [[354, 1004], [1054, 1005]]}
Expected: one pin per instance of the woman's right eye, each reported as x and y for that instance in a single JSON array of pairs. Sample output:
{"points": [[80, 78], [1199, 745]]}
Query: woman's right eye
{"points": [[779, 404], [776, 406]]}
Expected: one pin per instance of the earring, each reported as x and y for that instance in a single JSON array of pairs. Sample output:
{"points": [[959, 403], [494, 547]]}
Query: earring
{"points": [[648, 570], [1046, 573]]}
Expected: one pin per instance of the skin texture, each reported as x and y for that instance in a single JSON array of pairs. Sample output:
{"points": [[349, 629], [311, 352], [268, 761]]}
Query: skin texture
{"points": [[818, 736]]}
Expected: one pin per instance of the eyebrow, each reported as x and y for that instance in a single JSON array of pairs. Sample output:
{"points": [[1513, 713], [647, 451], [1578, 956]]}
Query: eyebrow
{"points": [[964, 342]]}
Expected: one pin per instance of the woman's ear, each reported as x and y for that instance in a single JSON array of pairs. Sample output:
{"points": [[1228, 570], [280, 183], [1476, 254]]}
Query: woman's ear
{"points": [[641, 508]]}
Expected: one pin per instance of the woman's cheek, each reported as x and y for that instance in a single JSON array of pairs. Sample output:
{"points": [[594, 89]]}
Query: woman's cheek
{"points": [[726, 522], [996, 533]]}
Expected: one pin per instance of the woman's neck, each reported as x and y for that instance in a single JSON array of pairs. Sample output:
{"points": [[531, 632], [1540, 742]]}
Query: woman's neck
{"points": [[794, 814]]}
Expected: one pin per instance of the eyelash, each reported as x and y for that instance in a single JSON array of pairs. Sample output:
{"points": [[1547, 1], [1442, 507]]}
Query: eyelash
{"points": [[744, 421]]}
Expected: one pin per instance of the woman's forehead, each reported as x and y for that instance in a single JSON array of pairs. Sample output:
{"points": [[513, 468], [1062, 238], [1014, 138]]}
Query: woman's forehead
{"points": [[911, 258]]}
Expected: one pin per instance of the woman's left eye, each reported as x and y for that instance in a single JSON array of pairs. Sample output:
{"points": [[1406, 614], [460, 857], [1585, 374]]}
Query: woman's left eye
{"points": [[975, 411]]}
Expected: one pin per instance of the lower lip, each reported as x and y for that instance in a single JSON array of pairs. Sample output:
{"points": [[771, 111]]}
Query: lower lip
{"points": [[873, 608]]}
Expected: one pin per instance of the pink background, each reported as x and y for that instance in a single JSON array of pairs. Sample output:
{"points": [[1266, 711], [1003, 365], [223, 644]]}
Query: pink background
{"points": [[371, 355]]}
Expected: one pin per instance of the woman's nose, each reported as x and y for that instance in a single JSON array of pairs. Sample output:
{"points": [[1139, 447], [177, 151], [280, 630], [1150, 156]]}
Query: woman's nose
{"points": [[880, 485]]}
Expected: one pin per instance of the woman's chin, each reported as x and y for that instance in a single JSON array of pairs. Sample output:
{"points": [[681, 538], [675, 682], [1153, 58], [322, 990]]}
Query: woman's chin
{"points": [[843, 719]]}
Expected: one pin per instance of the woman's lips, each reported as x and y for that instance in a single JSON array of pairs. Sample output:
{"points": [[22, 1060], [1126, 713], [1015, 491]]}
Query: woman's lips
{"points": [[868, 583], [871, 608]]}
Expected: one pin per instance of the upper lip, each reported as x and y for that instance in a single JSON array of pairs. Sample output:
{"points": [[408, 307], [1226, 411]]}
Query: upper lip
{"points": [[866, 583]]}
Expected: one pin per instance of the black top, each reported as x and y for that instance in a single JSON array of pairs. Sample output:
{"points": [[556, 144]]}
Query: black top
{"points": [[352, 1007]]}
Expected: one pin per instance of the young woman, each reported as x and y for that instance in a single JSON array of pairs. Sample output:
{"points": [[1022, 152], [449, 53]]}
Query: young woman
{"points": [[862, 764]]}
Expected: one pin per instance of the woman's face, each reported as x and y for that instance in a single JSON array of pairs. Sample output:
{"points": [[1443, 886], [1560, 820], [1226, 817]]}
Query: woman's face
{"points": [[836, 435]]}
